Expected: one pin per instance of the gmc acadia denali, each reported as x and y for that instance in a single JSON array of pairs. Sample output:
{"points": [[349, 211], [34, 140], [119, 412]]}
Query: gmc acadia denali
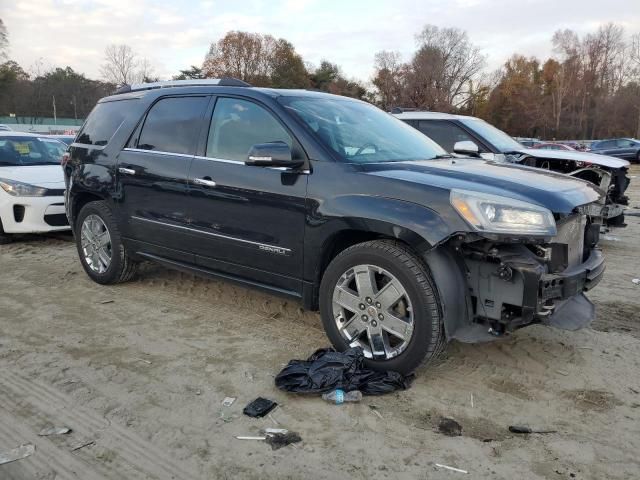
{"points": [[332, 201]]}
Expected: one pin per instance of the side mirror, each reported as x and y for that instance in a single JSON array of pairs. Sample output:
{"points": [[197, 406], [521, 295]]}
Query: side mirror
{"points": [[466, 147], [272, 154]]}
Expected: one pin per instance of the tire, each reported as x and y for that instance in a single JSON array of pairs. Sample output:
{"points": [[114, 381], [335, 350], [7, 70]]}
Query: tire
{"points": [[386, 259], [121, 267], [4, 237]]}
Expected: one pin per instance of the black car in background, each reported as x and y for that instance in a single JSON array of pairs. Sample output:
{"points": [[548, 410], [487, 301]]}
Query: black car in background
{"points": [[473, 136], [333, 202], [627, 148]]}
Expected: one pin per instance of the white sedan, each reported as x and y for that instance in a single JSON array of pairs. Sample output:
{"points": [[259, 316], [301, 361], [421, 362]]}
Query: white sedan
{"points": [[31, 185]]}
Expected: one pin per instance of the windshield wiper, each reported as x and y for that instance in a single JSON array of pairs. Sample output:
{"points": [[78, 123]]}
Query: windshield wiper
{"points": [[443, 155]]}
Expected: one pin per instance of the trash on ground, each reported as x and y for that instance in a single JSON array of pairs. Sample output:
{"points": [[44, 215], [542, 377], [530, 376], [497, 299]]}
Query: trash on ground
{"points": [[449, 427], [328, 370], [82, 445], [472, 400], [374, 410], [54, 431], [273, 431], [251, 438], [104, 302], [338, 396], [636, 281], [143, 360], [525, 429], [228, 401], [563, 372], [18, 453], [610, 238], [279, 440], [453, 469], [259, 407]]}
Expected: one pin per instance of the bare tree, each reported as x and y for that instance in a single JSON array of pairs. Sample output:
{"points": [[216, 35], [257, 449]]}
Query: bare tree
{"points": [[120, 66], [4, 41], [388, 78]]}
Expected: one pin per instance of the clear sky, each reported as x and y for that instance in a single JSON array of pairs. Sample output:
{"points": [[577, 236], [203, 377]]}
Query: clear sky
{"points": [[176, 34]]}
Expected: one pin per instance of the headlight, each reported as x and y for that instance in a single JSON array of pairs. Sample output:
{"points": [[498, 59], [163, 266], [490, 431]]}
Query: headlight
{"points": [[496, 214], [19, 189]]}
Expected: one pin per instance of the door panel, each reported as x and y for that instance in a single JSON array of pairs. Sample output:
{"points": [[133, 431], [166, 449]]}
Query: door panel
{"points": [[153, 174], [247, 216]]}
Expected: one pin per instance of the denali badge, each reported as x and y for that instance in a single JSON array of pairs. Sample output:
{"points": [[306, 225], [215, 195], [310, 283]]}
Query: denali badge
{"points": [[278, 250]]}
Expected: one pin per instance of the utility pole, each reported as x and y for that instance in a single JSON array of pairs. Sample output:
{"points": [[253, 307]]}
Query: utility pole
{"points": [[75, 110], [55, 116]]}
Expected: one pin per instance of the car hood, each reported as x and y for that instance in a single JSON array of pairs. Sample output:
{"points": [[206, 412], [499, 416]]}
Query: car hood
{"points": [[602, 160], [557, 192], [47, 176]]}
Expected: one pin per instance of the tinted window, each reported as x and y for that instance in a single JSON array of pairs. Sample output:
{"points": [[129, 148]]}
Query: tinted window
{"points": [[359, 132], [444, 133], [173, 125], [21, 150], [237, 125], [503, 142], [606, 144], [102, 123], [624, 143]]}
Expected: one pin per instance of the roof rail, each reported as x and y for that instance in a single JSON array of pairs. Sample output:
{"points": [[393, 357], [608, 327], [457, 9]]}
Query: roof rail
{"points": [[406, 109], [205, 82]]}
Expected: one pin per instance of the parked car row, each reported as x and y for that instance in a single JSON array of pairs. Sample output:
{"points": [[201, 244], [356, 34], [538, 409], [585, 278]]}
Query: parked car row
{"points": [[400, 245], [472, 136]]}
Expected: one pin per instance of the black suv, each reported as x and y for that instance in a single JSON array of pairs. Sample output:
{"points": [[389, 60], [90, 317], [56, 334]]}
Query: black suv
{"points": [[337, 203]]}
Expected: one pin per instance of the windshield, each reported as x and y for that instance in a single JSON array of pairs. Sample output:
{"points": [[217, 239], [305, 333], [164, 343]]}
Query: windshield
{"points": [[497, 138], [361, 133], [24, 151]]}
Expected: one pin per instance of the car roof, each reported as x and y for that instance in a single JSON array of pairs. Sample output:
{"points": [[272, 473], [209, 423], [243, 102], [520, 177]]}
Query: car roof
{"points": [[432, 116]]}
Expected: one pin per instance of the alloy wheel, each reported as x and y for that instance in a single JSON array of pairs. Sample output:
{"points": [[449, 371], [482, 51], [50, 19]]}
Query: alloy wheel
{"points": [[372, 310], [96, 243]]}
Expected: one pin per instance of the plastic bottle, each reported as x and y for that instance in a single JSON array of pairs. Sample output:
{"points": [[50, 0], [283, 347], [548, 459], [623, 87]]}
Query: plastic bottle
{"points": [[340, 396]]}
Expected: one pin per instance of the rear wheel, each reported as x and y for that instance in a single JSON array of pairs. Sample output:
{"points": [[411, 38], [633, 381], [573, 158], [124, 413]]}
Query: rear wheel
{"points": [[379, 296], [99, 243]]}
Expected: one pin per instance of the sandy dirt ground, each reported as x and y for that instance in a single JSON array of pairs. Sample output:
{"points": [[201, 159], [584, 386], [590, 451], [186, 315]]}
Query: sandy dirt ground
{"points": [[139, 371]]}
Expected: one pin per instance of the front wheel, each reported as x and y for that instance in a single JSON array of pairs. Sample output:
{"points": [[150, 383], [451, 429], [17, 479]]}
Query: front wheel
{"points": [[99, 243], [380, 296]]}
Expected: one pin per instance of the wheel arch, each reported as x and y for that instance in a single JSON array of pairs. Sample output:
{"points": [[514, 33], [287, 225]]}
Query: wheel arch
{"points": [[79, 200]]}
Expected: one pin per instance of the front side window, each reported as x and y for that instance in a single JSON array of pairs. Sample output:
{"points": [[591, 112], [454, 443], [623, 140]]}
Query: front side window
{"points": [[503, 142], [29, 151], [173, 125], [359, 132], [444, 133], [102, 123], [237, 125], [624, 143]]}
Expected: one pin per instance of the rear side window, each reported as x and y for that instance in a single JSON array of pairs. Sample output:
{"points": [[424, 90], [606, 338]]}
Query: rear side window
{"points": [[102, 123], [173, 125], [444, 133]]}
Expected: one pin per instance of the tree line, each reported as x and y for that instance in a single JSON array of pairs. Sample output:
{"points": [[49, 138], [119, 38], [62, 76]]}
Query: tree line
{"points": [[589, 88]]}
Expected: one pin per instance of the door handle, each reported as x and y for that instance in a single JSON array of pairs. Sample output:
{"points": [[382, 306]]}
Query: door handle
{"points": [[207, 182], [127, 171]]}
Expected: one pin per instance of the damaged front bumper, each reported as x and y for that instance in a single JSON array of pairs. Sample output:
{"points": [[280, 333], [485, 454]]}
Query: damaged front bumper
{"points": [[513, 285]]}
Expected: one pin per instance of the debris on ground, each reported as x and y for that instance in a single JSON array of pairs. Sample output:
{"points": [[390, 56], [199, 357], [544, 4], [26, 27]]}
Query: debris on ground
{"points": [[273, 431], [453, 469], [259, 407], [228, 401], [83, 445], [450, 427], [525, 429], [18, 453], [54, 431], [610, 238], [338, 396], [251, 438], [374, 410], [279, 440], [636, 281], [328, 370]]}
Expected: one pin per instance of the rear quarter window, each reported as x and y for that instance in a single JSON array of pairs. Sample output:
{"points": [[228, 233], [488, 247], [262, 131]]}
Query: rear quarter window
{"points": [[103, 121]]}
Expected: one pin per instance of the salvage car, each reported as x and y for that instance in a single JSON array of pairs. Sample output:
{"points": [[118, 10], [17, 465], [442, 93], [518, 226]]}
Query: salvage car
{"points": [[31, 185], [473, 136], [626, 148], [331, 201]]}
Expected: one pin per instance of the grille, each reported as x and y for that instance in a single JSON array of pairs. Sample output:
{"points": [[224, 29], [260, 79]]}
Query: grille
{"points": [[571, 233]]}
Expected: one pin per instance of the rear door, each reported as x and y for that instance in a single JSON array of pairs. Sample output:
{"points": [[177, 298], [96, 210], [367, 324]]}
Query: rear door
{"points": [[153, 171], [250, 220]]}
